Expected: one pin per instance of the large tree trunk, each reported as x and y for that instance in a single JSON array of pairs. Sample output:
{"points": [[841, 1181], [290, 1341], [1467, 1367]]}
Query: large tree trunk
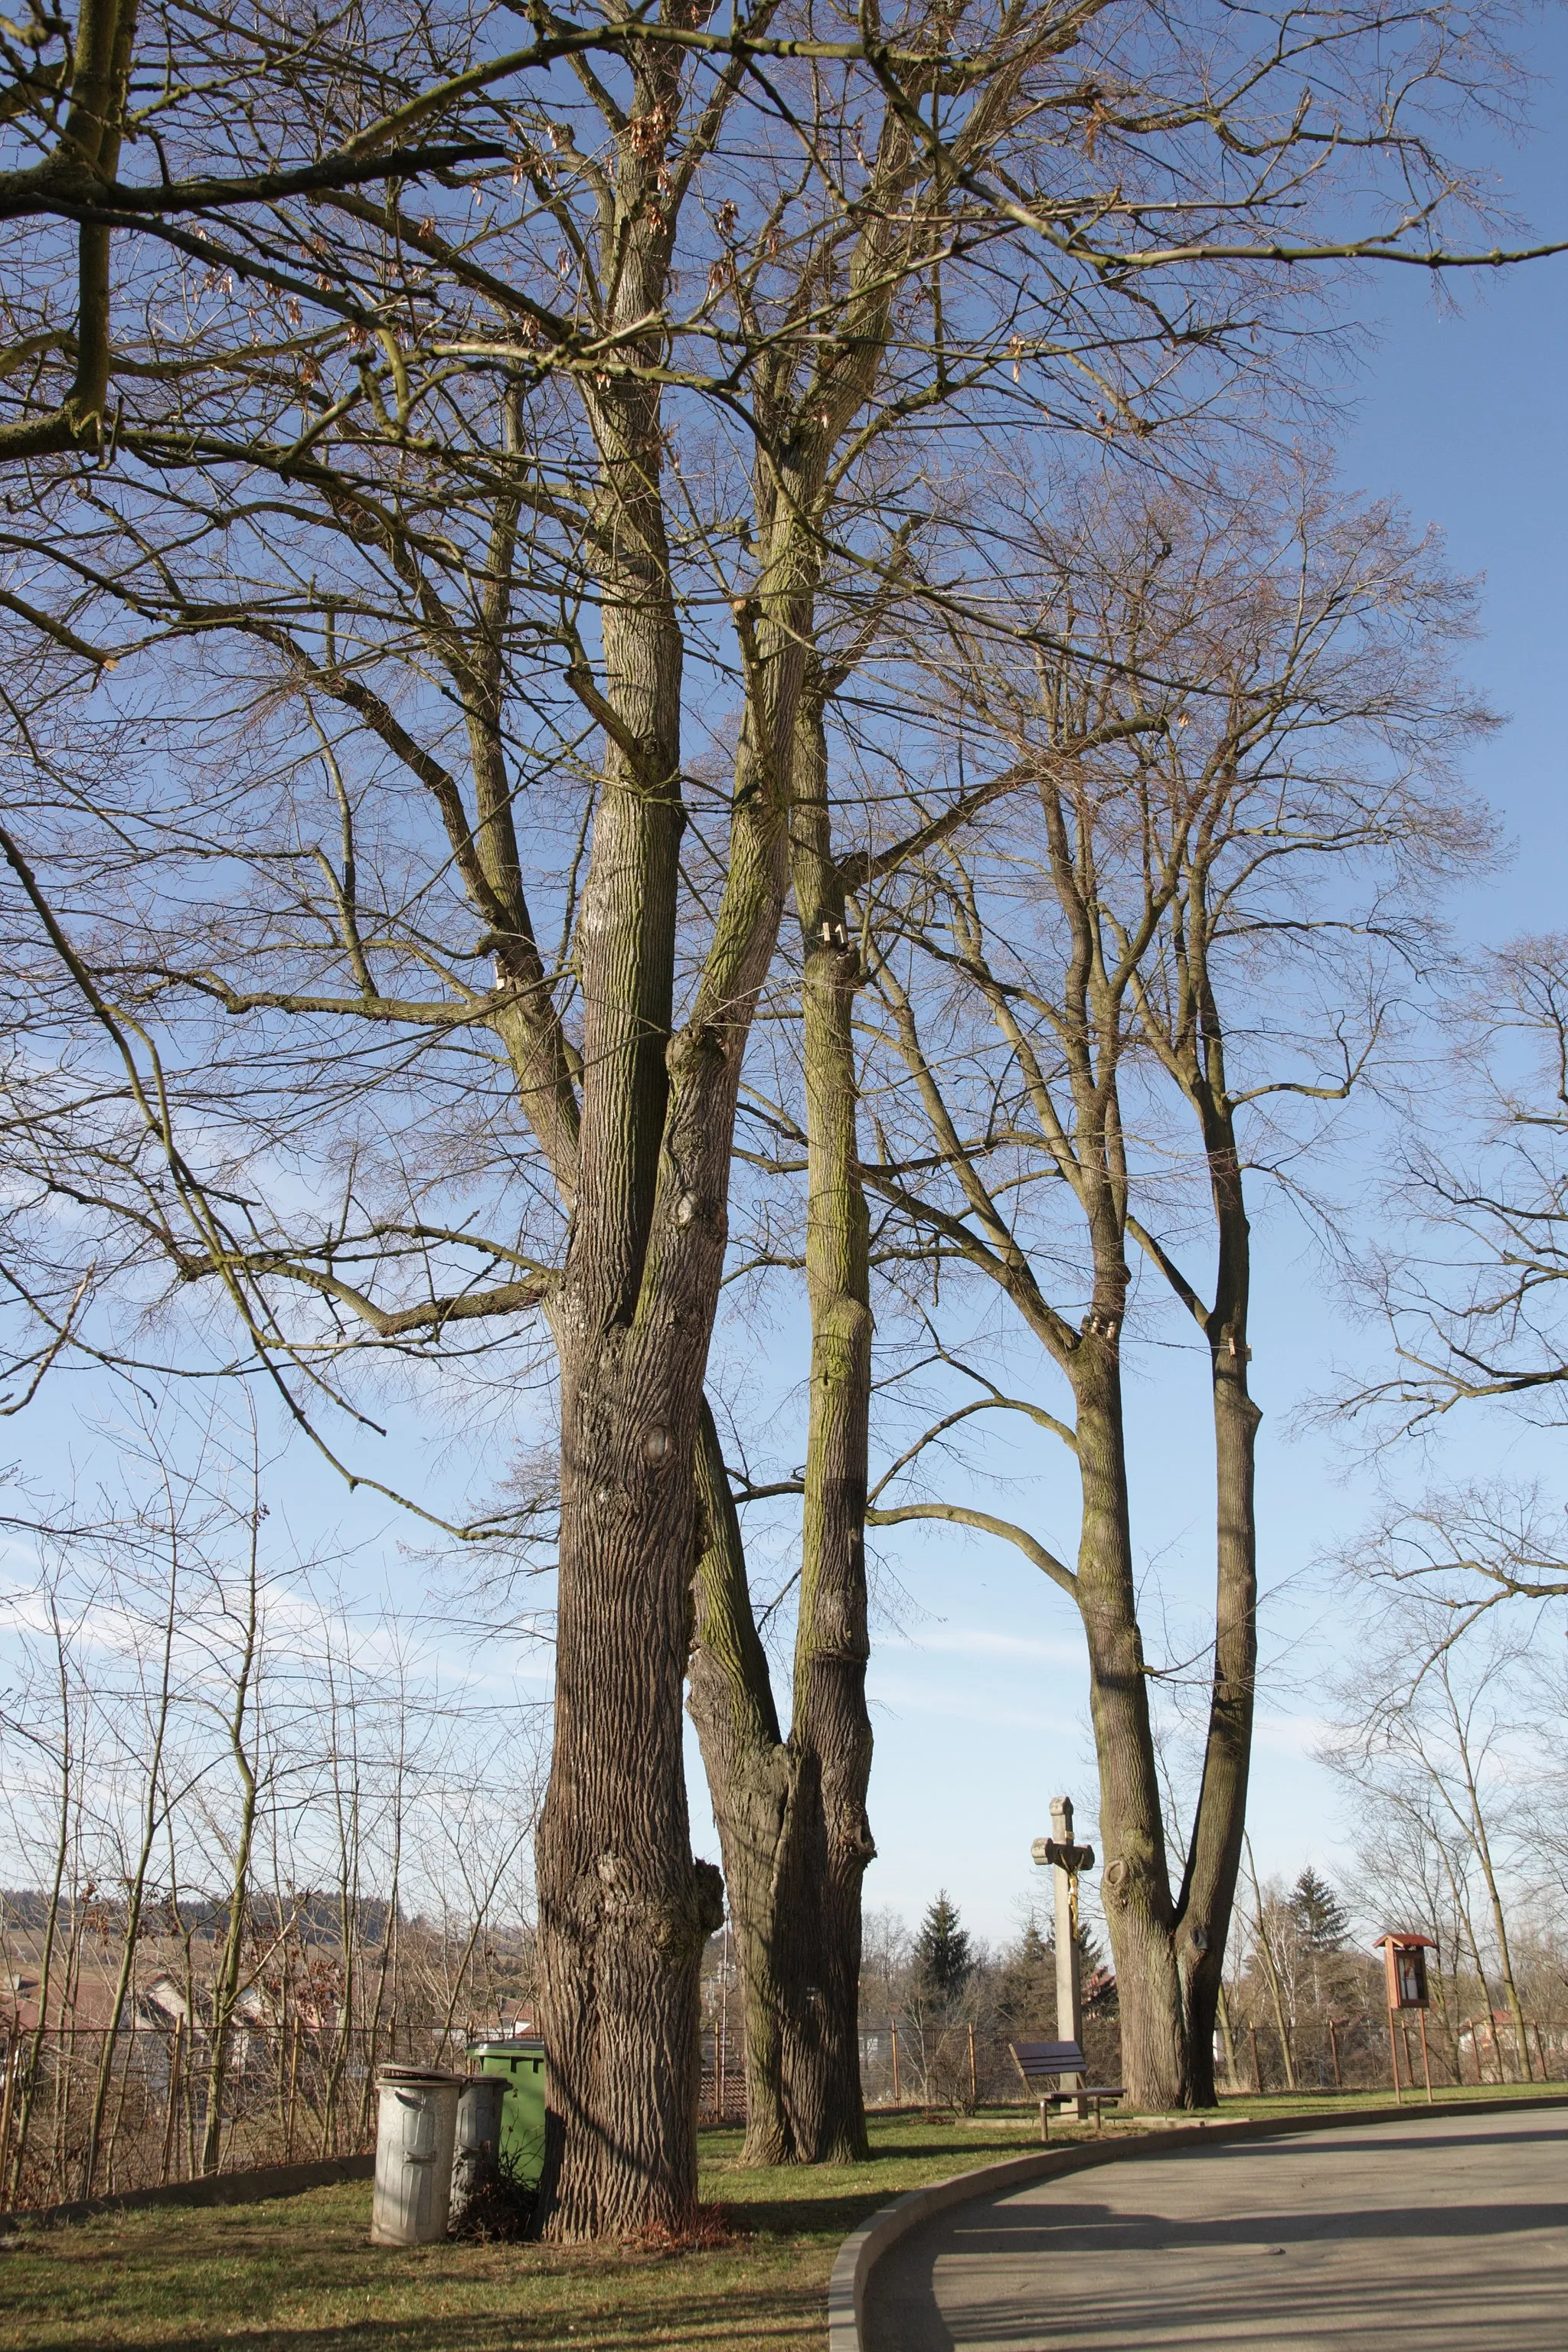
{"points": [[1134, 1875], [624, 1912], [752, 1780], [797, 1919], [622, 1908]]}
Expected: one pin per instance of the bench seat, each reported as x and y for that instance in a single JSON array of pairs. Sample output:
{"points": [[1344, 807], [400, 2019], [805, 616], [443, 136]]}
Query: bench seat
{"points": [[1040, 2063]]}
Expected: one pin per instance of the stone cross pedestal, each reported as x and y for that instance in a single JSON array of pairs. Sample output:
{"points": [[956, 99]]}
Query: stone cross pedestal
{"points": [[1066, 1861]]}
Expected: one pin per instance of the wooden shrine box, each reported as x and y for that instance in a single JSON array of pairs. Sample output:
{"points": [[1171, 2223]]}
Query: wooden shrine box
{"points": [[1405, 1959]]}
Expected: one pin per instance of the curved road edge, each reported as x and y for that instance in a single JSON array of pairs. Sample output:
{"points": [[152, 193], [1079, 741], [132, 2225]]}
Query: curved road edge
{"points": [[864, 2248]]}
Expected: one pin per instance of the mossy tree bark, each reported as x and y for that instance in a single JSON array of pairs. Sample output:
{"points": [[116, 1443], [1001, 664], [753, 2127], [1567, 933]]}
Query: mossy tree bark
{"points": [[752, 1778], [1187, 1036], [799, 1943], [831, 1728], [1208, 1896], [792, 1814], [1135, 1877]]}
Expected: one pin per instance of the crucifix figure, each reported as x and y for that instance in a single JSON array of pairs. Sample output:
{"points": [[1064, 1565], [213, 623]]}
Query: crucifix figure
{"points": [[1066, 1860]]}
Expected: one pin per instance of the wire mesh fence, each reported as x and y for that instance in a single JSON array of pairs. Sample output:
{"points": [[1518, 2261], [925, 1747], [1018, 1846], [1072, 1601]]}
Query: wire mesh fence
{"points": [[722, 2098], [84, 2112], [932, 2062]]}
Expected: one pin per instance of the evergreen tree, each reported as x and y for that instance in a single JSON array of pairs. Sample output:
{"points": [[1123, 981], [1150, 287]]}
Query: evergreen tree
{"points": [[1027, 1984], [1316, 1912], [943, 1961]]}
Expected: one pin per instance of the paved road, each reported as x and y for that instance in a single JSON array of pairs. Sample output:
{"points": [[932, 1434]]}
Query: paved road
{"points": [[1448, 2236]]}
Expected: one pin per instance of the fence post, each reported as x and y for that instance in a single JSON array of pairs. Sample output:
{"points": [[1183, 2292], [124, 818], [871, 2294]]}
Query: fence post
{"points": [[8, 2102], [973, 2084], [294, 2093], [174, 2098], [1256, 2064], [895, 2034]]}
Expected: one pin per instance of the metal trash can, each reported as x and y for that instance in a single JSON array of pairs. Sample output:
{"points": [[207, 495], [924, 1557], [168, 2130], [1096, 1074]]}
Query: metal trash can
{"points": [[519, 2062], [476, 2157], [417, 2127]]}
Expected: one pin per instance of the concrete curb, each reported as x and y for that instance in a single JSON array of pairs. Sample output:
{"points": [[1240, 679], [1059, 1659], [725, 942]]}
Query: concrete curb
{"points": [[865, 2247], [251, 2188]]}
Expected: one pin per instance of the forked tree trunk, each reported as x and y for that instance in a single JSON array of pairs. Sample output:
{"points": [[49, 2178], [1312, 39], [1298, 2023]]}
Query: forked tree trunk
{"points": [[1169, 1957], [623, 1910], [752, 1780], [1134, 1877], [1214, 1856], [792, 1816], [1208, 1896]]}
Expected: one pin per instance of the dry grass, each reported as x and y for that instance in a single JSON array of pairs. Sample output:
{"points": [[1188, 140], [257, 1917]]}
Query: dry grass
{"points": [[300, 2275]]}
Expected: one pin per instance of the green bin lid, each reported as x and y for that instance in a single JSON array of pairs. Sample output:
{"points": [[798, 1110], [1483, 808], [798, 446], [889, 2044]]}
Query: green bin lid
{"points": [[507, 2046]]}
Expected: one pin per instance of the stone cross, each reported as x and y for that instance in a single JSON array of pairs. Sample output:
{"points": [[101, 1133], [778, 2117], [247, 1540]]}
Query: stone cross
{"points": [[1066, 1860]]}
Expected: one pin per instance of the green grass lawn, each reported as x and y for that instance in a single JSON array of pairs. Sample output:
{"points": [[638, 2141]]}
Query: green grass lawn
{"points": [[299, 2274]]}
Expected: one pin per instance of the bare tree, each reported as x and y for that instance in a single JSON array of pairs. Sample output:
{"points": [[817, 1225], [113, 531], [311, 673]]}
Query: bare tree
{"points": [[47, 1725], [1471, 1294], [238, 121], [1282, 709], [1425, 1732]]}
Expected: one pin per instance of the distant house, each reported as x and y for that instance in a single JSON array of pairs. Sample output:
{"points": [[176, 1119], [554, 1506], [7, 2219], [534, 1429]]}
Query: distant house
{"points": [[164, 2002], [18, 2000], [1486, 2040]]}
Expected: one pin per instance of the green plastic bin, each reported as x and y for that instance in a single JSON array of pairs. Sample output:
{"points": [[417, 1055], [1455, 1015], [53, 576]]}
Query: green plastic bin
{"points": [[523, 2109]]}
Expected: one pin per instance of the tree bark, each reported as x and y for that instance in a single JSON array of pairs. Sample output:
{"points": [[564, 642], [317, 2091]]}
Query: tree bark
{"points": [[1134, 1877], [1481, 1842], [225, 1976], [1214, 1856], [752, 1780], [1209, 1895], [792, 1816], [831, 1728], [623, 1910]]}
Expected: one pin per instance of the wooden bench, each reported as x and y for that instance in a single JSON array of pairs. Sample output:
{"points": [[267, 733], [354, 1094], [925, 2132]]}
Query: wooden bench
{"points": [[1050, 2062]]}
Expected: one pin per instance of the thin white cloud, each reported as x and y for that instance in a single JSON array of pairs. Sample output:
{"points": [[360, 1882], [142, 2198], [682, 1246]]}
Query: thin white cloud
{"points": [[980, 1642], [1292, 1735]]}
